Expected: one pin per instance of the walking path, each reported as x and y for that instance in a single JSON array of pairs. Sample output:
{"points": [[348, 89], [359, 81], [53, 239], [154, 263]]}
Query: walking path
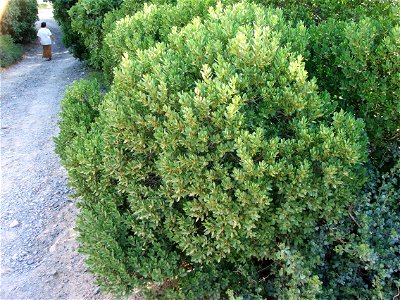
{"points": [[39, 258]]}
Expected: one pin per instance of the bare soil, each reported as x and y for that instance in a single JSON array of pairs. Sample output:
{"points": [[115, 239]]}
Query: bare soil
{"points": [[39, 257]]}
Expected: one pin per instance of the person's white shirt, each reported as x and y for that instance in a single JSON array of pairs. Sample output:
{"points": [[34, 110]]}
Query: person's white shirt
{"points": [[44, 34]]}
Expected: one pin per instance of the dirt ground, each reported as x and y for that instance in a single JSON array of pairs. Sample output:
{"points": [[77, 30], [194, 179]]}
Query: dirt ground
{"points": [[39, 258]]}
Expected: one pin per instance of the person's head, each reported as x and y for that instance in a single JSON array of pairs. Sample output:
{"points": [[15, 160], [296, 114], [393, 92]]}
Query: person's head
{"points": [[43, 25]]}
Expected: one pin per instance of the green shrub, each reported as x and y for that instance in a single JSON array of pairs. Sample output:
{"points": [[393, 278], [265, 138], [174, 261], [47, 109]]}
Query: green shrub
{"points": [[370, 258], [87, 20], [127, 8], [355, 258], [360, 259], [316, 11], [112, 19], [212, 154], [70, 38], [153, 24], [79, 108], [147, 27], [358, 63], [19, 19], [9, 51]]}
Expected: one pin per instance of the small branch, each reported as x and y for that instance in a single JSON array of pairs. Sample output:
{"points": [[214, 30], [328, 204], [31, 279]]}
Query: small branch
{"points": [[263, 269], [351, 216], [398, 294]]}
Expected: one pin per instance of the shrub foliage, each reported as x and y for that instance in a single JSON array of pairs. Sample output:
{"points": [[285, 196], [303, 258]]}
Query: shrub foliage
{"points": [[147, 27], [213, 154], [70, 38], [87, 19], [358, 63], [9, 51], [316, 11], [229, 157], [79, 111], [19, 19]]}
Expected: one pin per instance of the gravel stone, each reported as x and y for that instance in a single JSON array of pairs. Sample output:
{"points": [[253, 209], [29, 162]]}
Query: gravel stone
{"points": [[14, 223], [34, 191]]}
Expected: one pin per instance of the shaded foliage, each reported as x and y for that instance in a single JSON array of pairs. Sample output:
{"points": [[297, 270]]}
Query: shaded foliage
{"points": [[9, 51], [71, 39], [19, 20], [359, 65]]}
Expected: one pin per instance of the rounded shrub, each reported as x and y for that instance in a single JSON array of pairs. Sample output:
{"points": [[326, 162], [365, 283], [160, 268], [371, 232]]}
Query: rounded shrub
{"points": [[19, 20], [213, 154]]}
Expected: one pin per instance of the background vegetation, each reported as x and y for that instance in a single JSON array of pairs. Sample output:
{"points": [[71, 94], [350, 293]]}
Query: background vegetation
{"points": [[17, 25], [19, 20], [242, 150], [9, 51]]}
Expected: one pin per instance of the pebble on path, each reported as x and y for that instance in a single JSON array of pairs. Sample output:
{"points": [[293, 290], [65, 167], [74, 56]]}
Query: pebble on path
{"points": [[14, 223]]}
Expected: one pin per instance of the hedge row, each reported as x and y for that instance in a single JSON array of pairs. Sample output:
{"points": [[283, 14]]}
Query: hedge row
{"points": [[85, 23], [236, 152]]}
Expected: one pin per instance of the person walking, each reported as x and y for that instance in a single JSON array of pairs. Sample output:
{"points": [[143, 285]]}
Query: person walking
{"points": [[46, 38]]}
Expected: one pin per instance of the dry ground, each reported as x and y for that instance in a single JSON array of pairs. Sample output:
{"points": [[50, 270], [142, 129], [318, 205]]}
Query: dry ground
{"points": [[39, 258]]}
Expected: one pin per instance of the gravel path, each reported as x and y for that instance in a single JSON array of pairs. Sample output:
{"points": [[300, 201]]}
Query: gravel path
{"points": [[39, 258]]}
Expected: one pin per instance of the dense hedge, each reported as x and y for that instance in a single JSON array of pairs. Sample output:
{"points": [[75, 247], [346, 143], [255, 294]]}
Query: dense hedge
{"points": [[79, 111], [315, 11], [229, 158], [213, 155], [70, 38], [86, 22], [19, 20], [358, 63], [90, 20], [87, 19]]}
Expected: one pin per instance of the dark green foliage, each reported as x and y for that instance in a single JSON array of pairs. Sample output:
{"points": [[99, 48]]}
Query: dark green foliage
{"points": [[355, 258], [361, 260], [371, 257], [213, 154], [359, 65], [71, 39], [9, 51], [315, 11], [19, 19]]}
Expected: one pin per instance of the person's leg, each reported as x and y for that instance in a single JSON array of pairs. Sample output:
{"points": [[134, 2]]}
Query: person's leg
{"points": [[47, 52], [50, 53]]}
